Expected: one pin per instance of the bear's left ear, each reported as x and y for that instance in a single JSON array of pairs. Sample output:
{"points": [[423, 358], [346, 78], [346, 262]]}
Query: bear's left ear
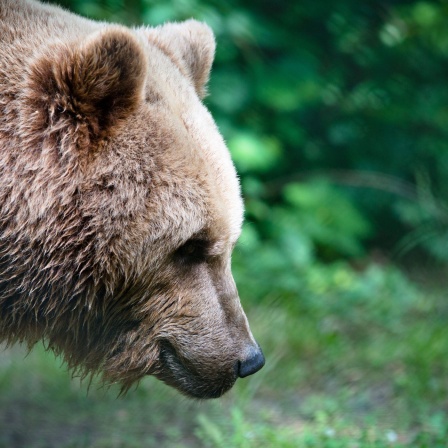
{"points": [[191, 46], [91, 84]]}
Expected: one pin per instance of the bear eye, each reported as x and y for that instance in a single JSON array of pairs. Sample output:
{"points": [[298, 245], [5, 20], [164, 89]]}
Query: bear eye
{"points": [[193, 251]]}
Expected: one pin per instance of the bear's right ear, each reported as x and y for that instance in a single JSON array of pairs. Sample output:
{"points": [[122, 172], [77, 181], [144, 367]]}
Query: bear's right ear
{"points": [[190, 45], [92, 85]]}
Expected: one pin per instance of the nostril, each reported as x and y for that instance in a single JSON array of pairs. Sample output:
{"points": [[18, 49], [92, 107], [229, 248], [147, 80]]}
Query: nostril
{"points": [[253, 363]]}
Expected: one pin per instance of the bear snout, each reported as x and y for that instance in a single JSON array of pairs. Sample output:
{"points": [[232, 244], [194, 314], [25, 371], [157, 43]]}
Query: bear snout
{"points": [[252, 363]]}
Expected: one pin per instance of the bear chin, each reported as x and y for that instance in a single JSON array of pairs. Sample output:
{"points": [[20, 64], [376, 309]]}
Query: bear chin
{"points": [[181, 374]]}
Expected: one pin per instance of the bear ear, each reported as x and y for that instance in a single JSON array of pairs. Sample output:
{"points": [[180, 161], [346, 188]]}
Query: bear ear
{"points": [[191, 46], [97, 82]]}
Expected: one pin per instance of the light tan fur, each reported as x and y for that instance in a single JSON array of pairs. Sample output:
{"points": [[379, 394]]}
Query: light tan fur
{"points": [[119, 203]]}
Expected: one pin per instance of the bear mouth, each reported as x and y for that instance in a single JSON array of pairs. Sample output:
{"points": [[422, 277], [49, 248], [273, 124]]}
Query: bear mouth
{"points": [[181, 374]]}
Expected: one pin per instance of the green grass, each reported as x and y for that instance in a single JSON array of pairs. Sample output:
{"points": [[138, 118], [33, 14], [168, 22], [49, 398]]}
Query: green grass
{"points": [[344, 369]]}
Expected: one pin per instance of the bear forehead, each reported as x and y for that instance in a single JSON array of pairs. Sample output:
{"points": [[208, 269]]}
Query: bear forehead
{"points": [[196, 147]]}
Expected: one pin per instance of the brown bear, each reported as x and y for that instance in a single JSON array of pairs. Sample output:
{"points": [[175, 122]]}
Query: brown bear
{"points": [[119, 203]]}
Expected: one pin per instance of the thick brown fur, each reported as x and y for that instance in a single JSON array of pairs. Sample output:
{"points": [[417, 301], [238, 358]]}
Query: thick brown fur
{"points": [[119, 204]]}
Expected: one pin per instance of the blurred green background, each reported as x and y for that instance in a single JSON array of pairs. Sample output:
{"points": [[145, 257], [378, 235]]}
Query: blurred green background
{"points": [[336, 114]]}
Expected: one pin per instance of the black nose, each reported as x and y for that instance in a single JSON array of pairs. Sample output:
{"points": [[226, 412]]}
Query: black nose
{"points": [[253, 363]]}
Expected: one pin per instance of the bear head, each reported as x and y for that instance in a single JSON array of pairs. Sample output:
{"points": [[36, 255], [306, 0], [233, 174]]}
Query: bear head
{"points": [[120, 207]]}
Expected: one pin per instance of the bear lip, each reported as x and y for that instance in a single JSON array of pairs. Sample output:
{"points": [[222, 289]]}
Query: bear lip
{"points": [[182, 375]]}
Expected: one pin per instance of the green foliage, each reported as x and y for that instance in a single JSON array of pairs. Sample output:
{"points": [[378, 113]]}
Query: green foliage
{"points": [[252, 153], [428, 217], [323, 433], [327, 217]]}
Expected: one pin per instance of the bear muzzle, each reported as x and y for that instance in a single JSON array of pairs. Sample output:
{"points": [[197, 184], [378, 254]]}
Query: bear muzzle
{"points": [[192, 379], [195, 379]]}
